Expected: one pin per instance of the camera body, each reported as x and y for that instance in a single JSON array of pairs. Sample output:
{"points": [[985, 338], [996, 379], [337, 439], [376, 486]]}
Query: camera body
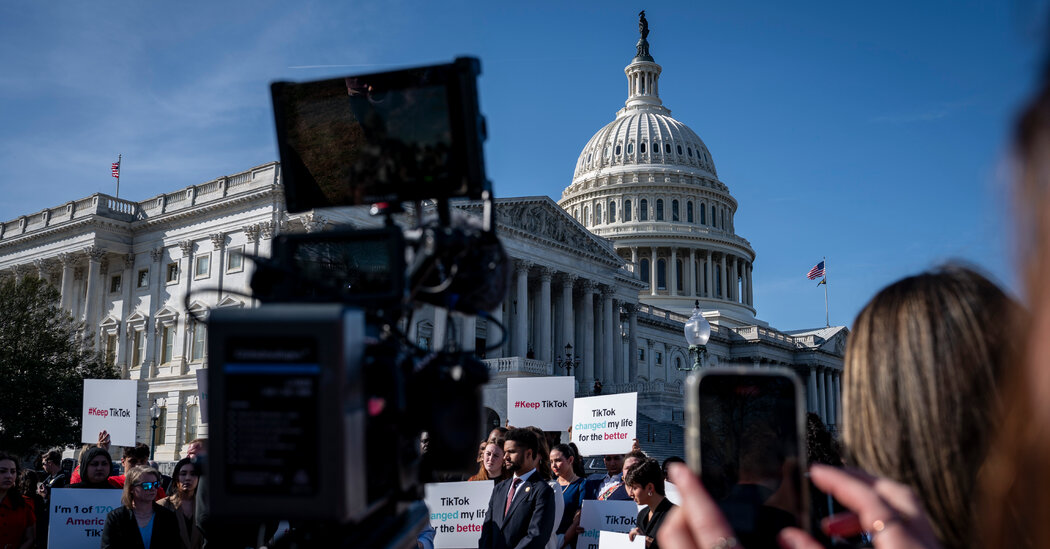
{"points": [[318, 397]]}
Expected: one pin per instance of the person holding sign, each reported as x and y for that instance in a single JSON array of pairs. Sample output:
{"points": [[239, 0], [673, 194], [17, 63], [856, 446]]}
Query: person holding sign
{"points": [[140, 522], [645, 481], [95, 466], [521, 508], [17, 521]]}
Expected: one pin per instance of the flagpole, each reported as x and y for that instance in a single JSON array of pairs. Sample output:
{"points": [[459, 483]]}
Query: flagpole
{"points": [[827, 319], [119, 166]]}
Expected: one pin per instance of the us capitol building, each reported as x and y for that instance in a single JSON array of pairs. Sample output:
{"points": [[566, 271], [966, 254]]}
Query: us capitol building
{"points": [[608, 275]]}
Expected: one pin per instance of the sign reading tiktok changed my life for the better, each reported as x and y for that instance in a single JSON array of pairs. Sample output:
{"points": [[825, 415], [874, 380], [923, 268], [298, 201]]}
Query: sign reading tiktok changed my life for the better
{"points": [[605, 424], [544, 402], [109, 405], [457, 512]]}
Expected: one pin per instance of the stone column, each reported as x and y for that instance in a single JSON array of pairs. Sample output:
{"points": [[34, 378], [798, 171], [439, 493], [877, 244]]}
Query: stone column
{"points": [[838, 397], [830, 402], [567, 316], [68, 262], [186, 267], [734, 279], [811, 390], [750, 286], [91, 298], [218, 245], [649, 359], [822, 409], [611, 336], [587, 308], [652, 271], [543, 338], [692, 273], [634, 260], [710, 289], [725, 279], [632, 342], [521, 317], [673, 274]]}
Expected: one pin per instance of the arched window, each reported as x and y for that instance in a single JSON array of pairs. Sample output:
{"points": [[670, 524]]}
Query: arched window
{"points": [[689, 211], [718, 282], [645, 270], [586, 218], [661, 274], [576, 214], [714, 217], [641, 147], [690, 149], [643, 210], [674, 210], [627, 210], [678, 275], [723, 219], [630, 148], [612, 212], [679, 149], [667, 148], [617, 150], [597, 214], [659, 209], [703, 214]]}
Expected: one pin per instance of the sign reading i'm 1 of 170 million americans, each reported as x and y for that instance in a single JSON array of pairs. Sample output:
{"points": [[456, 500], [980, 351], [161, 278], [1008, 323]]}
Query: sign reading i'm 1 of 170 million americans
{"points": [[544, 402], [605, 424]]}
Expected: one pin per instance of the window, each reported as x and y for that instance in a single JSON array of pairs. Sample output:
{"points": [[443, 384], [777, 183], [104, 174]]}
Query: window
{"points": [[679, 149], [659, 209], [138, 347], [597, 214], [173, 272], [714, 216], [617, 150], [193, 419], [199, 348], [612, 212], [630, 148], [142, 279], [641, 353], [643, 210], [161, 422], [678, 363], [661, 274], [674, 210], [627, 210], [167, 343], [667, 148], [645, 270], [576, 213], [202, 266], [641, 147], [586, 218], [235, 259], [678, 275], [689, 211], [423, 343], [659, 358], [690, 152], [718, 282], [723, 220], [703, 214], [111, 349]]}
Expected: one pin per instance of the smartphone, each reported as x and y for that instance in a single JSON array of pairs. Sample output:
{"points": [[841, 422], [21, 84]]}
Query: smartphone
{"points": [[745, 437]]}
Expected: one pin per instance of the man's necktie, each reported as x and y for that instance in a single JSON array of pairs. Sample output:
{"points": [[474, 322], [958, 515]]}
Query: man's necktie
{"points": [[510, 494]]}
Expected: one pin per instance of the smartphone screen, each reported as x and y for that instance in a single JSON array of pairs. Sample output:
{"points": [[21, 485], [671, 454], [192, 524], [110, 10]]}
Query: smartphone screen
{"points": [[750, 455]]}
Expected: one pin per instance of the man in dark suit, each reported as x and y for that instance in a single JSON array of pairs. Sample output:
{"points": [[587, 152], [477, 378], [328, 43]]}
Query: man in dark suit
{"points": [[521, 508]]}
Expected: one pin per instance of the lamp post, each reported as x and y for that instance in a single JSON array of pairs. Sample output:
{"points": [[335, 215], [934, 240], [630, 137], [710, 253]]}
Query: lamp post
{"points": [[697, 333], [154, 415], [569, 361]]}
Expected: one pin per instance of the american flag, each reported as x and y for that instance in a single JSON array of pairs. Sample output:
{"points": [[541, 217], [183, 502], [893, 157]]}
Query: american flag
{"points": [[115, 169], [816, 272]]}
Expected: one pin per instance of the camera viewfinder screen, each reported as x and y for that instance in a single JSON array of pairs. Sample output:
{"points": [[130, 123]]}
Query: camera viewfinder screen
{"points": [[347, 268], [749, 454], [365, 139]]}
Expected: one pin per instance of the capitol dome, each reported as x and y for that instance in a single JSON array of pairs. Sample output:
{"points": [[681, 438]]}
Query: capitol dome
{"points": [[648, 183]]}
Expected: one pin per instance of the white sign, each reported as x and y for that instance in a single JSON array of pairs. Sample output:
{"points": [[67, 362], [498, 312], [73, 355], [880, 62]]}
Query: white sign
{"points": [[616, 540], [78, 515], [544, 402], [605, 424], [202, 393], [610, 516], [109, 405], [457, 512]]}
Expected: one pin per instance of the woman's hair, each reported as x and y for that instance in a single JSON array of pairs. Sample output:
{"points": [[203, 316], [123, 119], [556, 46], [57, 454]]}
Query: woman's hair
{"points": [[89, 454], [483, 474], [176, 498], [27, 482], [922, 369], [645, 471], [14, 495], [577, 465], [1016, 480], [133, 477]]}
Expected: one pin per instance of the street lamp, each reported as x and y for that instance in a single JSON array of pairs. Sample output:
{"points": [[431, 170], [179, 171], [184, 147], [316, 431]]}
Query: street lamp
{"points": [[569, 361], [154, 415], [697, 333]]}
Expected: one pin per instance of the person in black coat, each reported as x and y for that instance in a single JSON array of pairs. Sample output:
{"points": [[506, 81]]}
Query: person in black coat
{"points": [[645, 482], [521, 508], [140, 517]]}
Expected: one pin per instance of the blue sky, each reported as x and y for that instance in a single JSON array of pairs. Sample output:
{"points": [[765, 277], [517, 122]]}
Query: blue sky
{"points": [[875, 135]]}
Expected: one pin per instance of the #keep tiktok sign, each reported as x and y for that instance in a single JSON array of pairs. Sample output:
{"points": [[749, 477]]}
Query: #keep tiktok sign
{"points": [[544, 402], [109, 405]]}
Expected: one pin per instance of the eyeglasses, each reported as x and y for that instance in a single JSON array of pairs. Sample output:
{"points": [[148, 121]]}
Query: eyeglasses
{"points": [[149, 485]]}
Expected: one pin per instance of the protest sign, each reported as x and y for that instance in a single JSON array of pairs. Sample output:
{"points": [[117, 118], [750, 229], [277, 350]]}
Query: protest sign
{"points": [[544, 402], [457, 511], [616, 540], [109, 405], [605, 424], [78, 515], [611, 516], [202, 393]]}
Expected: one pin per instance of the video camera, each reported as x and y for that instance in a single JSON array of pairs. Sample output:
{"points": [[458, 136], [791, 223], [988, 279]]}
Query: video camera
{"points": [[318, 397]]}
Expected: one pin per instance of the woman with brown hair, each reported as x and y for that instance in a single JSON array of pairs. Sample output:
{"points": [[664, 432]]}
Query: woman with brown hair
{"points": [[492, 463], [140, 523], [923, 368], [183, 503]]}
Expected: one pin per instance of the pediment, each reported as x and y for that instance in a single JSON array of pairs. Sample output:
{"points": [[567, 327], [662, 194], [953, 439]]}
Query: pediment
{"points": [[167, 314], [229, 301], [136, 318], [539, 218], [109, 322]]}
